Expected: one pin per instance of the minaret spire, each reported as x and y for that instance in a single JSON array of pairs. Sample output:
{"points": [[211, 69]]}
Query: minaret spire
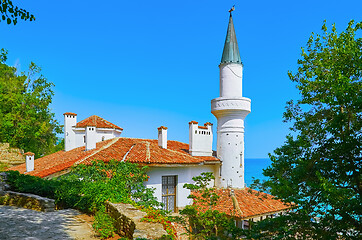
{"points": [[231, 49]]}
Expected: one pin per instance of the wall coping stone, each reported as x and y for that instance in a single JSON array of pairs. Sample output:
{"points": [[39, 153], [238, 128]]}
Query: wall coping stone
{"points": [[128, 222], [27, 200]]}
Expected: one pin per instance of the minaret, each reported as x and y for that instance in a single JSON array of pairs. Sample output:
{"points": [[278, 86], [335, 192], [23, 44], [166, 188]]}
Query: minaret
{"points": [[230, 109]]}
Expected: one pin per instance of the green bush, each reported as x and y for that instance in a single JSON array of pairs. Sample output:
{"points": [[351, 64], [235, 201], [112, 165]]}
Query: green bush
{"points": [[103, 224], [30, 184], [88, 187]]}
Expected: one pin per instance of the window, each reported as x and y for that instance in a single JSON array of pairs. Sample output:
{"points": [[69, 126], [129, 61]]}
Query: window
{"points": [[103, 138], [169, 192], [84, 139]]}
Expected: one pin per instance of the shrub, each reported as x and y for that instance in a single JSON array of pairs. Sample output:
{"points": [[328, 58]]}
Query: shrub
{"points": [[103, 224]]}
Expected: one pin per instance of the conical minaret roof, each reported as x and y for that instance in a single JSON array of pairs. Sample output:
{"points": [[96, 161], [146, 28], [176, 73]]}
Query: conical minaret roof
{"points": [[231, 50]]}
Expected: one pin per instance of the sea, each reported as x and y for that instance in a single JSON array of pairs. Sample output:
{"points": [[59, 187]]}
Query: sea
{"points": [[254, 168]]}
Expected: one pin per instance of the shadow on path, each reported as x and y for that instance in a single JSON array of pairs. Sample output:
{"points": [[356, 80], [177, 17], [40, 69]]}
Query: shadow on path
{"points": [[19, 223]]}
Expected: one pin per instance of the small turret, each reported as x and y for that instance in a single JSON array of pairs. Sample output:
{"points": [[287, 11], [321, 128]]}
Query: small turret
{"points": [[162, 137], [70, 120], [200, 139], [29, 161]]}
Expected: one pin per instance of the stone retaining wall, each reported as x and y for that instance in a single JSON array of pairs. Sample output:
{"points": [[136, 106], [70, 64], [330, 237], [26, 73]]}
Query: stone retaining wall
{"points": [[11, 156], [25, 200], [128, 222]]}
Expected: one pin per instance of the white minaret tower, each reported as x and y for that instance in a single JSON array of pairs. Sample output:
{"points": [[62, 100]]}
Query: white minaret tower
{"points": [[230, 109]]}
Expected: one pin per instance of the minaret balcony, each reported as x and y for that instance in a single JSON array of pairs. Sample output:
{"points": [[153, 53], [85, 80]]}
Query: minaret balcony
{"points": [[223, 106]]}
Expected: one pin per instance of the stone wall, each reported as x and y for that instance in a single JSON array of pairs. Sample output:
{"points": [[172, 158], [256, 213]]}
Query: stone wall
{"points": [[11, 156], [24, 200], [128, 222]]}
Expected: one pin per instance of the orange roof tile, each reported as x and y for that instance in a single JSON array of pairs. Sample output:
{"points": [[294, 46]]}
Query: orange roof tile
{"points": [[98, 122], [162, 127], [193, 122], [202, 127], [70, 113], [142, 151], [29, 154], [250, 203]]}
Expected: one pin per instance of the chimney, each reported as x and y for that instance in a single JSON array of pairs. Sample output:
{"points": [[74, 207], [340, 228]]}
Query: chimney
{"points": [[200, 139], [162, 137], [70, 120], [29, 160], [90, 137]]}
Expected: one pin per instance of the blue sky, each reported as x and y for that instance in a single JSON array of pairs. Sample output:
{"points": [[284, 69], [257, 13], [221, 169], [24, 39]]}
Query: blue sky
{"points": [[142, 64]]}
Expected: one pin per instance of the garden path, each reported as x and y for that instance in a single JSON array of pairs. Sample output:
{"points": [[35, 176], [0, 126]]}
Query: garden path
{"points": [[25, 224]]}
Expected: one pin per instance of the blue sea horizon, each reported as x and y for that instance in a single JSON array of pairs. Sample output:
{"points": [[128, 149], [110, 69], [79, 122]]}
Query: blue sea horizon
{"points": [[254, 168]]}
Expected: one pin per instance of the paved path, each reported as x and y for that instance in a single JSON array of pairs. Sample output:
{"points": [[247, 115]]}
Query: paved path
{"points": [[25, 224]]}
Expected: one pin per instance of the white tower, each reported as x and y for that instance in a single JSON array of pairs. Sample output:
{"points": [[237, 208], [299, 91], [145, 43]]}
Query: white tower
{"points": [[230, 109]]}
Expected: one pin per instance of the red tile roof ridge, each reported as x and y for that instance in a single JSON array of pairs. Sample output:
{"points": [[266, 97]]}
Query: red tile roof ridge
{"points": [[114, 140], [236, 203], [246, 203], [148, 153], [93, 120]]}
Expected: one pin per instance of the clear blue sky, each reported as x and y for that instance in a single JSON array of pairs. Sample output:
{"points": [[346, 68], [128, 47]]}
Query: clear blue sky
{"points": [[143, 64]]}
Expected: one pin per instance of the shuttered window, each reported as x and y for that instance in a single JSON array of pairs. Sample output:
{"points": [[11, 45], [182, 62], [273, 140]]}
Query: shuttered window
{"points": [[169, 193]]}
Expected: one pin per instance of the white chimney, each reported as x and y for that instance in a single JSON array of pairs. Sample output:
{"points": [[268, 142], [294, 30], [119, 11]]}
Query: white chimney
{"points": [[70, 120], [162, 137], [29, 160], [200, 139], [90, 137]]}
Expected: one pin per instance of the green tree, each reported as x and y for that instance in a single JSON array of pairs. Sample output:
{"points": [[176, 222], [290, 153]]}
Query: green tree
{"points": [[25, 118], [319, 166], [11, 13], [200, 220]]}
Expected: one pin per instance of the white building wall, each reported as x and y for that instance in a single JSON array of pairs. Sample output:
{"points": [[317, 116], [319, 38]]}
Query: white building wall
{"points": [[184, 175], [101, 134]]}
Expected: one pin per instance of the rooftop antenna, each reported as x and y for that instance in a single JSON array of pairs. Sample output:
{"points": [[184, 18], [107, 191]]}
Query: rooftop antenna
{"points": [[232, 9]]}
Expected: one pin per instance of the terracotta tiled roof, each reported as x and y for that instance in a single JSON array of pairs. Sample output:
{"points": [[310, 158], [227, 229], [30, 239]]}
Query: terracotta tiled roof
{"points": [[249, 203], [70, 113], [142, 151], [162, 127], [58, 161], [98, 122], [29, 154]]}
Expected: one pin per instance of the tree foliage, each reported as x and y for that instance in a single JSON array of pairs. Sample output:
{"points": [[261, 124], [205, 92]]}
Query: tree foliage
{"points": [[319, 166], [26, 121], [201, 221], [10, 13]]}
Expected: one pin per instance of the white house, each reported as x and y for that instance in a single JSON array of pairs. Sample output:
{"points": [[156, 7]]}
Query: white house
{"points": [[172, 163]]}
